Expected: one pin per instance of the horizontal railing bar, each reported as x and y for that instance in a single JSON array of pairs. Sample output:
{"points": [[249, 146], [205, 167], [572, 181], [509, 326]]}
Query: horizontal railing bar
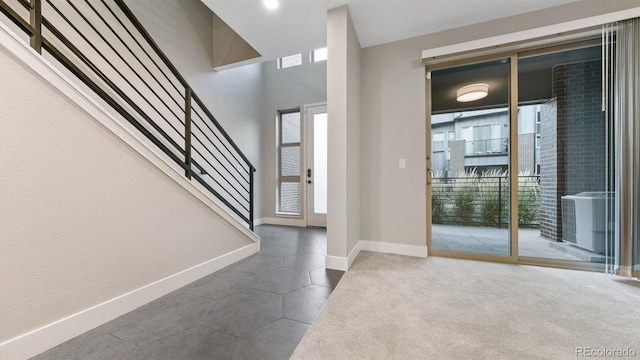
{"points": [[222, 131], [141, 63], [113, 67], [107, 98], [241, 163], [16, 18], [142, 48], [104, 78], [222, 176], [123, 7], [26, 4], [218, 172], [224, 201], [220, 152]]}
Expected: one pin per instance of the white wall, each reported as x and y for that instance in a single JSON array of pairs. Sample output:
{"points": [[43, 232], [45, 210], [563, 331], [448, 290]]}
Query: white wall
{"points": [[84, 218], [343, 94], [285, 89], [393, 105], [183, 29]]}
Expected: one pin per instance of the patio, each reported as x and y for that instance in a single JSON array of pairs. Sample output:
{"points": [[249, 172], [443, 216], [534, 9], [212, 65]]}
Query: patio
{"points": [[490, 240]]}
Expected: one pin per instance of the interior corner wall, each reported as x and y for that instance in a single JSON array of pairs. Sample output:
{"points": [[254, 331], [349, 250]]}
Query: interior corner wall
{"points": [[183, 29], [343, 98], [84, 218], [393, 206], [285, 89]]}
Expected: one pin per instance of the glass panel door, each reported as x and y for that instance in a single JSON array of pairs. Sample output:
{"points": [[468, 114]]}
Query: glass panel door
{"points": [[563, 165], [469, 168], [316, 176]]}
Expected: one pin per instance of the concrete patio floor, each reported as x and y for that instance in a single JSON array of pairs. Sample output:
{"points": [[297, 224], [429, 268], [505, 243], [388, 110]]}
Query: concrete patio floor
{"points": [[487, 240]]}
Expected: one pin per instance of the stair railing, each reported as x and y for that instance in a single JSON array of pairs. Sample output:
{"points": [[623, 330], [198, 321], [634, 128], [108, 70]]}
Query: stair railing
{"points": [[104, 45]]}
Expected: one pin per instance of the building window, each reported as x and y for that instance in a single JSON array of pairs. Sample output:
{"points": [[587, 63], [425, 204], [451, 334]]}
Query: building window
{"points": [[319, 55], [438, 141], [289, 61], [289, 188], [483, 139]]}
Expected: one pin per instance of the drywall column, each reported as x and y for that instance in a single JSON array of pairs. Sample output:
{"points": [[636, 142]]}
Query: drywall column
{"points": [[343, 105]]}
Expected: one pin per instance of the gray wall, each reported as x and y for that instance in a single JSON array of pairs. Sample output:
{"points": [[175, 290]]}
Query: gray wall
{"points": [[184, 31], [285, 89], [393, 108], [84, 218]]}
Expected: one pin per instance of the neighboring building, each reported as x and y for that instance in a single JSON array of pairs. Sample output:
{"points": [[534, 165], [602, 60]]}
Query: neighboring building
{"points": [[479, 139]]}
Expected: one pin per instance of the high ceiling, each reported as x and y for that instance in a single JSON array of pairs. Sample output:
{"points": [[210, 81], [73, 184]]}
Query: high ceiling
{"points": [[300, 25]]}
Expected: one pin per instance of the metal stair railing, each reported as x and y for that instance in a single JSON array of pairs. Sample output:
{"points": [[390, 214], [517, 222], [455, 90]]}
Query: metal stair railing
{"points": [[104, 45]]}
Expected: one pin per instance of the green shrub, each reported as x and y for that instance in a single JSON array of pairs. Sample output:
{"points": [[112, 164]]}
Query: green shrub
{"points": [[464, 191]]}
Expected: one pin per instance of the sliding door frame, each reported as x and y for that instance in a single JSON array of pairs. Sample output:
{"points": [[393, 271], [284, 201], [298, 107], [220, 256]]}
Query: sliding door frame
{"points": [[514, 55]]}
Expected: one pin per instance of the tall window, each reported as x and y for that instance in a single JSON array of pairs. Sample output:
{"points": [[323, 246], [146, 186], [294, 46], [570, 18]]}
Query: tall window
{"points": [[482, 139], [289, 162]]}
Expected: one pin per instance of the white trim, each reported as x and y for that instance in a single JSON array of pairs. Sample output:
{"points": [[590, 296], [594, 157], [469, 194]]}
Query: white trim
{"points": [[258, 221], [392, 248], [344, 263], [285, 221], [531, 33], [39, 340], [336, 263], [21, 51]]}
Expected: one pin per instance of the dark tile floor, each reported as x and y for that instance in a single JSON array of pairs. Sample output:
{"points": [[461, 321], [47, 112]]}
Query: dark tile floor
{"points": [[258, 308]]}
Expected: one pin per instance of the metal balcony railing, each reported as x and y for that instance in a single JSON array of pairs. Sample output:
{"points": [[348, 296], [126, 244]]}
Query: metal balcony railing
{"points": [[103, 44], [478, 200], [498, 146]]}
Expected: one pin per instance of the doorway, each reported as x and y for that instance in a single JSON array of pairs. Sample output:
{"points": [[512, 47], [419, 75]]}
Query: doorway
{"points": [[316, 164]]}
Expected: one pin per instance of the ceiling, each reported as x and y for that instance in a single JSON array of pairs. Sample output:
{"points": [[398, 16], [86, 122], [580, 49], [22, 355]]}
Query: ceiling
{"points": [[300, 25]]}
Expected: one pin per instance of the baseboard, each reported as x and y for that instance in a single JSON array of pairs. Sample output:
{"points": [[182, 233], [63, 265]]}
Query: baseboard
{"points": [[336, 263], [42, 339], [392, 248], [344, 263], [284, 221], [258, 221]]}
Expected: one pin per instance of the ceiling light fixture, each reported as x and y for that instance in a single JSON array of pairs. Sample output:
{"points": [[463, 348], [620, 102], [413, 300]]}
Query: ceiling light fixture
{"points": [[472, 92], [271, 4]]}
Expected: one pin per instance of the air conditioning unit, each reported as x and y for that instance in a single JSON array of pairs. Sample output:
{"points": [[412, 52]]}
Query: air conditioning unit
{"points": [[584, 222]]}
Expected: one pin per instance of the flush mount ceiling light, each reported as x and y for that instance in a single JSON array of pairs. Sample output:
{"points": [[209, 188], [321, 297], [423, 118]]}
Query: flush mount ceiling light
{"points": [[271, 4], [472, 92]]}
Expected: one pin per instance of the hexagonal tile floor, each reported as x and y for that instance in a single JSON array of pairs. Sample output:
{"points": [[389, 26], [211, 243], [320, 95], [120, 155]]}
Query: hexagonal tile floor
{"points": [[258, 308]]}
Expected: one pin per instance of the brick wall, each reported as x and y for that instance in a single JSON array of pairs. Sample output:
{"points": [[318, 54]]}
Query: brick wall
{"points": [[572, 140]]}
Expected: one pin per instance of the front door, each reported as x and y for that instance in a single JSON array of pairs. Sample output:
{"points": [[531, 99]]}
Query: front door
{"points": [[316, 160]]}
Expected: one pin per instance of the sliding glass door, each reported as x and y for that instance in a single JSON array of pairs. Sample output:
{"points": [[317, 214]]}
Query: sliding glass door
{"points": [[469, 154]]}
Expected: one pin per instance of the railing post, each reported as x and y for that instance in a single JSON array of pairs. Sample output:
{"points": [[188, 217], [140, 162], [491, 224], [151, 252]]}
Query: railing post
{"points": [[187, 132], [251, 171], [499, 202], [35, 15]]}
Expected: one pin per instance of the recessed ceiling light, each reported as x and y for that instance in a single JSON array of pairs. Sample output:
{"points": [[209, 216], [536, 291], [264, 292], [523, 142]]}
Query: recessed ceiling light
{"points": [[472, 92], [271, 4]]}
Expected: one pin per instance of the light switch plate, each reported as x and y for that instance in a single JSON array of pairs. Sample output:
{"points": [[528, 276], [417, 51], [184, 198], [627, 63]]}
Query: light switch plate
{"points": [[402, 164]]}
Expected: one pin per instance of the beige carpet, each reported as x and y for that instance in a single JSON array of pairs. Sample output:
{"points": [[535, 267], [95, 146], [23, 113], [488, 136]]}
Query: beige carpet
{"points": [[395, 307]]}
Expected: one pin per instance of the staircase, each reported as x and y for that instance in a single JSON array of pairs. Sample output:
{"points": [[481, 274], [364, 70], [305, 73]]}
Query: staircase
{"points": [[102, 44]]}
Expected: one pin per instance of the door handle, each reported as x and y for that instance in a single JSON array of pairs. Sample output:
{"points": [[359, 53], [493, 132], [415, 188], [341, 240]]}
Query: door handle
{"points": [[430, 175], [308, 173]]}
